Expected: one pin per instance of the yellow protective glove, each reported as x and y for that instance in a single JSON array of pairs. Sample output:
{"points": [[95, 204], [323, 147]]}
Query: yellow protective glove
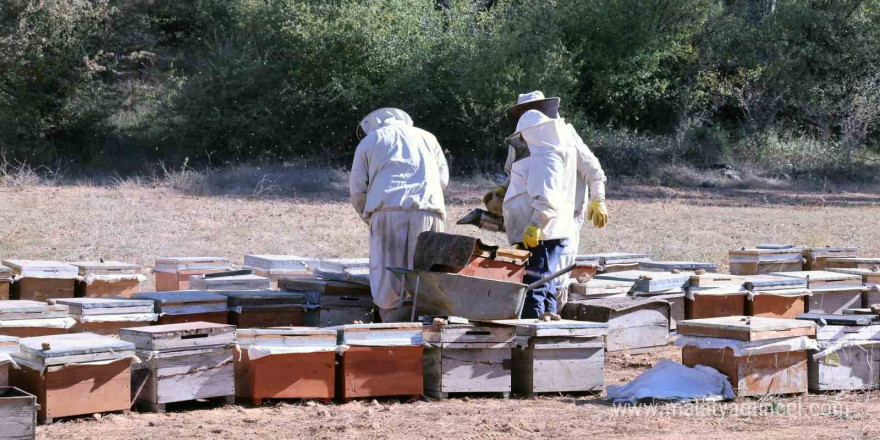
{"points": [[494, 199], [531, 236], [598, 213]]}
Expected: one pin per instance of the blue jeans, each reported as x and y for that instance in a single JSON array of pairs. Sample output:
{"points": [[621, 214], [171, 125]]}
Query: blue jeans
{"points": [[545, 259]]}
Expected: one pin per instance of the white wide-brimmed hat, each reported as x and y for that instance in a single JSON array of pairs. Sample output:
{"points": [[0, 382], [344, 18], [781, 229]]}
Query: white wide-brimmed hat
{"points": [[376, 118], [532, 101], [530, 119]]}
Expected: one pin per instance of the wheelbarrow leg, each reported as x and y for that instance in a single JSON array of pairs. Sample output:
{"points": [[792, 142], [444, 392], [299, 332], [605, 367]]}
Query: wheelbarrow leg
{"points": [[412, 317]]}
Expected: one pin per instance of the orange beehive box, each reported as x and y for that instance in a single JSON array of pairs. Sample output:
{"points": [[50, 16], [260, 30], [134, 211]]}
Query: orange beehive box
{"points": [[40, 280], [286, 363], [173, 273], [25, 318], [5, 282], [831, 292], [714, 302], [107, 278], [382, 360], [815, 257]]}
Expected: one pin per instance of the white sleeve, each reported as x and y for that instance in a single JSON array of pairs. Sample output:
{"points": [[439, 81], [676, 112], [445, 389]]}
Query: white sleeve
{"points": [[545, 186], [589, 169], [442, 165], [359, 179]]}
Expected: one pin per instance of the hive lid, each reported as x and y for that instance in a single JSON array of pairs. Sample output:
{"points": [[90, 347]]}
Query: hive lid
{"points": [[823, 278], [854, 260], [234, 282], [323, 286], [382, 334], [27, 309], [189, 335], [8, 344], [851, 251], [176, 264], [716, 291], [245, 298], [746, 328], [776, 246], [287, 337], [42, 269], [770, 282], [181, 296], [73, 348], [105, 267], [751, 255], [716, 279], [343, 264], [864, 273], [607, 258], [268, 263], [5, 272], [587, 259], [487, 332], [104, 306], [676, 265], [621, 304], [597, 286], [849, 320], [561, 328], [649, 282]]}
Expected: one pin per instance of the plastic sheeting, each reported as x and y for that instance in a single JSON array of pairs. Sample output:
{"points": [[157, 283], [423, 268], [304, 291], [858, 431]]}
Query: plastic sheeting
{"points": [[64, 323], [670, 381], [749, 348], [258, 351], [123, 317], [827, 348], [6, 358], [90, 279]]}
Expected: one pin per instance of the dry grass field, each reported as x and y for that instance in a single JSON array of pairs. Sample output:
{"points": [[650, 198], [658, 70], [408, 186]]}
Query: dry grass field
{"points": [[309, 215]]}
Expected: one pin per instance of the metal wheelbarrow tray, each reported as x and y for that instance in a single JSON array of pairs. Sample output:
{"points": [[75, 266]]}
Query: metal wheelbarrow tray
{"points": [[474, 298]]}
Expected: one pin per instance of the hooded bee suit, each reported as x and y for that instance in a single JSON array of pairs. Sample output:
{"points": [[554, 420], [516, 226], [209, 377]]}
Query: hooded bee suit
{"points": [[396, 186], [542, 194]]}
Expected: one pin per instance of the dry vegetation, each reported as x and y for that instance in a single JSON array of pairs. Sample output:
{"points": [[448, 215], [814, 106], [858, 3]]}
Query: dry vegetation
{"points": [[306, 213]]}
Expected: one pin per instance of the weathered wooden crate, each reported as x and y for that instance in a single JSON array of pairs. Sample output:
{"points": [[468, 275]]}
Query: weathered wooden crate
{"points": [[558, 356], [468, 358], [107, 278], [815, 257], [677, 266], [870, 280], [635, 324], [75, 374], [184, 306], [173, 273], [8, 347], [714, 302], [848, 357], [5, 282], [276, 267], [40, 280], [286, 363], [182, 362], [778, 303], [18, 414], [26, 318], [106, 316], [381, 360], [269, 308], [676, 300], [762, 261], [597, 288], [341, 302], [760, 356], [852, 263], [221, 281], [831, 292]]}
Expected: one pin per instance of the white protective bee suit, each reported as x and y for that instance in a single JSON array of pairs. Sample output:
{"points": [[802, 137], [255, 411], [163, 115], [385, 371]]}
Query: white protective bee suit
{"points": [[396, 186]]}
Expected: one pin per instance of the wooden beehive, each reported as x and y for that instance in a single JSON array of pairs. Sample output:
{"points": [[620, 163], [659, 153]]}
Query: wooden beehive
{"points": [[18, 414], [106, 316], [75, 374], [852, 263], [269, 308], [341, 302], [25, 318], [187, 306], [8, 347], [618, 261], [182, 362], [831, 292], [635, 324], [173, 273], [381, 360], [848, 357], [815, 257], [220, 281], [286, 363], [107, 278], [40, 280], [677, 266], [659, 285], [468, 358], [762, 261], [597, 288], [558, 356], [352, 270], [870, 280], [777, 303], [732, 346], [5, 282], [714, 302], [276, 267], [710, 279]]}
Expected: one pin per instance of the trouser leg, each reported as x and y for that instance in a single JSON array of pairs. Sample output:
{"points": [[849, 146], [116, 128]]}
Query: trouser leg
{"points": [[545, 259]]}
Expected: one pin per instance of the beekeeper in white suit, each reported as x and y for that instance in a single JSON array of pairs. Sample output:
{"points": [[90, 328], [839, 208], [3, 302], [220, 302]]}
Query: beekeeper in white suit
{"points": [[590, 191], [396, 186], [539, 203]]}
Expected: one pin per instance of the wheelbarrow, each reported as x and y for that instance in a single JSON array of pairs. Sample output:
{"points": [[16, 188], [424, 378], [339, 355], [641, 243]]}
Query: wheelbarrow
{"points": [[474, 298]]}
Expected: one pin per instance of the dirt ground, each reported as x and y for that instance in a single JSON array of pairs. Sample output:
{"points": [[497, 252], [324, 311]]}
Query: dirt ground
{"points": [[138, 223]]}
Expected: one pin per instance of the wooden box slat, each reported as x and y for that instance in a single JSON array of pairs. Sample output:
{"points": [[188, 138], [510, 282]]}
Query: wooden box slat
{"points": [[179, 336], [18, 414], [559, 365], [466, 368]]}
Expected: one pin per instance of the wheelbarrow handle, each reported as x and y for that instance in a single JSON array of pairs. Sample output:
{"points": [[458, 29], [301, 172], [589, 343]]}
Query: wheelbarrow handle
{"points": [[551, 277]]}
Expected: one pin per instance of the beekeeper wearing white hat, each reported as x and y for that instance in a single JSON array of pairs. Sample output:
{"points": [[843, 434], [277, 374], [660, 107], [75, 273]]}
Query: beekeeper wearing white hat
{"points": [[589, 200], [538, 205], [396, 186]]}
